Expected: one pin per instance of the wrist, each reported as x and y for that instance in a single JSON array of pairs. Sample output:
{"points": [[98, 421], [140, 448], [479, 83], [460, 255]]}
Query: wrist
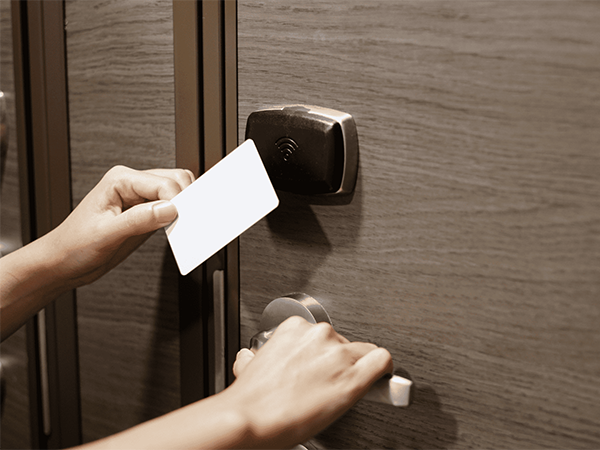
{"points": [[28, 283], [52, 262], [263, 426], [233, 417], [211, 423]]}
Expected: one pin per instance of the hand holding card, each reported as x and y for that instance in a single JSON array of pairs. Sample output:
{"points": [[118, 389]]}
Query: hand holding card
{"points": [[219, 206]]}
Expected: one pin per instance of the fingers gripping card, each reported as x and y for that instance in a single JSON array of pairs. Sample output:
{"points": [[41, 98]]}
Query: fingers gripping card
{"points": [[219, 206]]}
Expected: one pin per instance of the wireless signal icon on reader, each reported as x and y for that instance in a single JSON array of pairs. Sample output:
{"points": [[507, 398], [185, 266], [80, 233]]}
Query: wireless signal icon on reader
{"points": [[287, 146]]}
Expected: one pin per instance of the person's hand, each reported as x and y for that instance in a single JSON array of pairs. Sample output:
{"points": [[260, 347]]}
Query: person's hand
{"points": [[301, 380], [114, 219], [297, 384]]}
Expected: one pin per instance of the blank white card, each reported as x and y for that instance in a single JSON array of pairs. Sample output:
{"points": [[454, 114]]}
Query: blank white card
{"points": [[219, 206]]}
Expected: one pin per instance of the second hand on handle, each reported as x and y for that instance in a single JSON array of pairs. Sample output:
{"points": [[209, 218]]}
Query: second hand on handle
{"points": [[390, 389]]}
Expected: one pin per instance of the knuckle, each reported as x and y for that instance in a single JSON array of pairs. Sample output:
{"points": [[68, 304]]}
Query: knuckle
{"points": [[117, 170], [386, 356], [169, 187], [325, 327], [323, 330], [369, 347], [294, 325], [117, 174], [293, 322], [181, 175]]}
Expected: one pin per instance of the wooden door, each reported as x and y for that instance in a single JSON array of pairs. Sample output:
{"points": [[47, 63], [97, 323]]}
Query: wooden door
{"points": [[471, 249], [121, 106]]}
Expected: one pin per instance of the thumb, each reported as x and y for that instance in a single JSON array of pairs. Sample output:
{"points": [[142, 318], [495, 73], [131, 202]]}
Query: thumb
{"points": [[242, 359], [145, 218]]}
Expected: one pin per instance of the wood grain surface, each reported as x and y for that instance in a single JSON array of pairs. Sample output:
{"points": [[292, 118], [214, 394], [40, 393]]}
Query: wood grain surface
{"points": [[121, 94], [13, 351], [471, 248]]}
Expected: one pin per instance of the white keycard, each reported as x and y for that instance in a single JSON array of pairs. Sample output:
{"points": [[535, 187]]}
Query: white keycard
{"points": [[219, 206]]}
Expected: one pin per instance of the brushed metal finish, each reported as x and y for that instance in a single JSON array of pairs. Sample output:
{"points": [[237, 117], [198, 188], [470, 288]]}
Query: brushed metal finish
{"points": [[296, 304]]}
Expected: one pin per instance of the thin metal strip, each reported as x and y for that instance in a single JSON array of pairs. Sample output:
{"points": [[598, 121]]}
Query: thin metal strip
{"points": [[218, 288], [232, 277], [188, 143], [43, 364]]}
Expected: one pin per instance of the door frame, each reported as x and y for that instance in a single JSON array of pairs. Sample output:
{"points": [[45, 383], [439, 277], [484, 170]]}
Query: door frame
{"points": [[205, 59]]}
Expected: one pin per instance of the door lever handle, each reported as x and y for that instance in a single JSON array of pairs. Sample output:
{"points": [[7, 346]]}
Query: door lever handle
{"points": [[390, 389]]}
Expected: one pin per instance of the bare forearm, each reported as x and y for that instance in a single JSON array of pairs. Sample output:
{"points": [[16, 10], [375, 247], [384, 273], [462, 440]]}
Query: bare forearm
{"points": [[212, 423], [29, 280], [116, 217]]}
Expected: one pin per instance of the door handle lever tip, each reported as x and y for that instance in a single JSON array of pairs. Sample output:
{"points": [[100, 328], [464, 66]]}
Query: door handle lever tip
{"points": [[392, 390]]}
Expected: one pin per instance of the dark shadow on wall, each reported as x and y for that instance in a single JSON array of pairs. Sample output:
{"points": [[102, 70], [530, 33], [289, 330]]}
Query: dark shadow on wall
{"points": [[308, 228], [423, 425]]}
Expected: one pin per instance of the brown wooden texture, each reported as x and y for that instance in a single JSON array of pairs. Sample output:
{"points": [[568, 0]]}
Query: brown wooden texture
{"points": [[121, 93], [13, 351], [471, 249]]}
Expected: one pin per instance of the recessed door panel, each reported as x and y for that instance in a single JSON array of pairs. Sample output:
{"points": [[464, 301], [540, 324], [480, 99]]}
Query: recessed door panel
{"points": [[121, 106]]}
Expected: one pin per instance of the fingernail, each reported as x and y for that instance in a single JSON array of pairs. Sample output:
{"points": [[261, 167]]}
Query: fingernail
{"points": [[164, 211]]}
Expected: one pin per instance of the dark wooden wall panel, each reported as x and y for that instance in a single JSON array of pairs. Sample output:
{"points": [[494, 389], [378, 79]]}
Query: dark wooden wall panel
{"points": [[13, 351], [121, 93], [471, 249]]}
